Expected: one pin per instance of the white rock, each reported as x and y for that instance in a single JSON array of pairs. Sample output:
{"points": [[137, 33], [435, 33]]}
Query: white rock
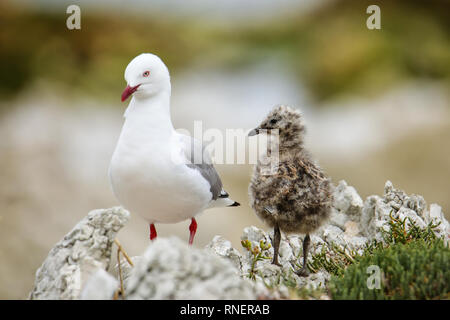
{"points": [[355, 243], [268, 270], [296, 244], [100, 286], [405, 213], [436, 216], [351, 228], [362, 223], [286, 253], [332, 234], [254, 235], [314, 280], [85, 249], [377, 211], [223, 248], [348, 201], [169, 269], [338, 218]]}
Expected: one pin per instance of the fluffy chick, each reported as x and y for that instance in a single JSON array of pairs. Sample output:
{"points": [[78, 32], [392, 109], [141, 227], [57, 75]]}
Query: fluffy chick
{"points": [[297, 196]]}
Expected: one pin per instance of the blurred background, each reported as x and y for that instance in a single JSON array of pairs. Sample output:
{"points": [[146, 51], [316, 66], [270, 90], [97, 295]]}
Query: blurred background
{"points": [[375, 103]]}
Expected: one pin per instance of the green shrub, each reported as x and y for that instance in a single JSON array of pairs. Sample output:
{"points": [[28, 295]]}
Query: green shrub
{"points": [[413, 270], [335, 259], [413, 262]]}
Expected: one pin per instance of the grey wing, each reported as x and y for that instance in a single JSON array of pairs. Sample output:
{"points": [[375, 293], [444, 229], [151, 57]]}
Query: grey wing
{"points": [[199, 159]]}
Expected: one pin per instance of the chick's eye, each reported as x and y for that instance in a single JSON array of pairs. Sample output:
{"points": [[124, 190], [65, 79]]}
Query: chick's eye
{"points": [[146, 73], [273, 121]]}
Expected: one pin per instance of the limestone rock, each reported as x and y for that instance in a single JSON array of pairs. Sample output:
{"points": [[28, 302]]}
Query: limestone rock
{"points": [[222, 247], [351, 229], [169, 269], [78, 255], [436, 216], [100, 286], [348, 201], [338, 218], [353, 223]]}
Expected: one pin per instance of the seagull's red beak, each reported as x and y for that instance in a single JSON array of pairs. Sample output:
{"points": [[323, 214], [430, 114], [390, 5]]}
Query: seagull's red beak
{"points": [[128, 92]]}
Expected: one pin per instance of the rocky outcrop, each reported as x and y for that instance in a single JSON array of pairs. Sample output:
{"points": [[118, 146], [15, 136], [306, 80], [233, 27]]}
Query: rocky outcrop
{"points": [[100, 286], [170, 269], [352, 224], [377, 211], [79, 255]]}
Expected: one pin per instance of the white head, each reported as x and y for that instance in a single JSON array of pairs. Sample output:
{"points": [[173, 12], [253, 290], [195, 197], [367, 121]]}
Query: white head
{"points": [[146, 76]]}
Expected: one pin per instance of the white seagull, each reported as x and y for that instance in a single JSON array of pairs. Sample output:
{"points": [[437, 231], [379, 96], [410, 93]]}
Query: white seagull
{"points": [[152, 171]]}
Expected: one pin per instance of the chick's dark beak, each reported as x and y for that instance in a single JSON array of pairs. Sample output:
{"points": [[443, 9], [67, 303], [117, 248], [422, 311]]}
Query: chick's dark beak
{"points": [[253, 132], [128, 92]]}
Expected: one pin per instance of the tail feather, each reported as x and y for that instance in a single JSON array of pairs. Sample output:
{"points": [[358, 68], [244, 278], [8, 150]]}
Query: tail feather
{"points": [[223, 202]]}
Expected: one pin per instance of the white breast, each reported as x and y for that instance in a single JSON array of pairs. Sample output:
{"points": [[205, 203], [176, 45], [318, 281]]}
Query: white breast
{"points": [[146, 179]]}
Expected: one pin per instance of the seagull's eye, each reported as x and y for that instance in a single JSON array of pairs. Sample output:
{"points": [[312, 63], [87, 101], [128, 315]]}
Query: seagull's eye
{"points": [[273, 121], [146, 74]]}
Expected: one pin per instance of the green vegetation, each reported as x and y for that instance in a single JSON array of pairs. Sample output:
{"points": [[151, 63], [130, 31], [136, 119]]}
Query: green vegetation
{"points": [[413, 264], [335, 259], [330, 50], [258, 253], [414, 270], [413, 261]]}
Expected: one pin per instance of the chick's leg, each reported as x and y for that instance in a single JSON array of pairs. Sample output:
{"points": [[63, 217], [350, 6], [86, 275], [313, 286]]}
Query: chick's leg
{"points": [[276, 245], [303, 272]]}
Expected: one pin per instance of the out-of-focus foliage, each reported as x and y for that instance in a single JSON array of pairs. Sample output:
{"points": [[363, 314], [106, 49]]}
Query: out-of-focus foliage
{"points": [[331, 50], [38, 45]]}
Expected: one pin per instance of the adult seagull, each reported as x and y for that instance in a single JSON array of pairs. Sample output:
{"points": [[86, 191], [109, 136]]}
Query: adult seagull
{"points": [[164, 176]]}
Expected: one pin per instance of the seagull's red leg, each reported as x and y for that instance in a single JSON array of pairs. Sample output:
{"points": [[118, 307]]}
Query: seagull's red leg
{"points": [[193, 230], [152, 232]]}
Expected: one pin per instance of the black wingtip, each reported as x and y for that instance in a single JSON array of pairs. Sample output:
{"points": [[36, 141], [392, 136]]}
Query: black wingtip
{"points": [[224, 194], [235, 204]]}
